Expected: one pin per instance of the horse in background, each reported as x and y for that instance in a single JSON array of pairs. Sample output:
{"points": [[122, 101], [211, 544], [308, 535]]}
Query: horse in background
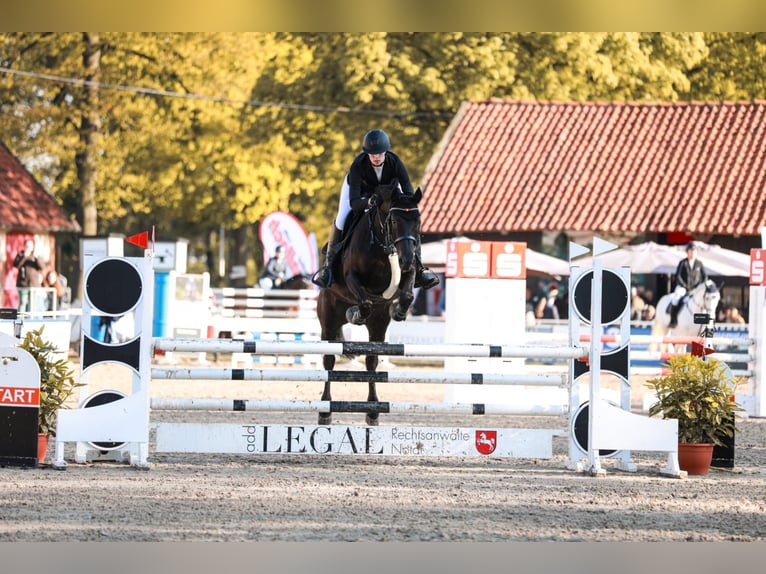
{"points": [[704, 298], [373, 278], [296, 282]]}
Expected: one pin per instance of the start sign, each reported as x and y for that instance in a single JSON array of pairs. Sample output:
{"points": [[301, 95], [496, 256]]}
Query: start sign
{"points": [[757, 271]]}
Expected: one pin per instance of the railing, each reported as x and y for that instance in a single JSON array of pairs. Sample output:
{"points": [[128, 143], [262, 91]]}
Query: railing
{"points": [[43, 302]]}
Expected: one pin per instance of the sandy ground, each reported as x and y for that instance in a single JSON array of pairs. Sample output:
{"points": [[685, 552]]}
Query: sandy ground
{"points": [[341, 498]]}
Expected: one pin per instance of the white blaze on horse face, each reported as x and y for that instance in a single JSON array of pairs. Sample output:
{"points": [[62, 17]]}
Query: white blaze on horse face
{"points": [[396, 275]]}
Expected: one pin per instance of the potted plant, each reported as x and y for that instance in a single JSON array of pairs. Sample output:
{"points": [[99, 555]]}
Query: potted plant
{"points": [[699, 392], [57, 383]]}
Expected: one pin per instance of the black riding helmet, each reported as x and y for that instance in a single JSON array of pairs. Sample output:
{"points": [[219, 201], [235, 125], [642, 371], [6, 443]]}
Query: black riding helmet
{"points": [[376, 141]]}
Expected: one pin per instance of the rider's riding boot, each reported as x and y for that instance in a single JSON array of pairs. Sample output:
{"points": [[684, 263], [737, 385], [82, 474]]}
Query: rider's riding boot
{"points": [[673, 316], [424, 277], [323, 277]]}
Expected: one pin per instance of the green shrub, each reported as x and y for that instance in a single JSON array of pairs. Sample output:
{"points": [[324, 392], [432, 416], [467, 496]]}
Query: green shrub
{"points": [[57, 381], [700, 394]]}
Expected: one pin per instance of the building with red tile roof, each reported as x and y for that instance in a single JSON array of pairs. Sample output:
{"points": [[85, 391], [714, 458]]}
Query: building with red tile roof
{"points": [[547, 172], [27, 211]]}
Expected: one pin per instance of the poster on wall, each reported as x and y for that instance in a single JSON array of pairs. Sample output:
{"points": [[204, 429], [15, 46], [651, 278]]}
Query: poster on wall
{"points": [[280, 228]]}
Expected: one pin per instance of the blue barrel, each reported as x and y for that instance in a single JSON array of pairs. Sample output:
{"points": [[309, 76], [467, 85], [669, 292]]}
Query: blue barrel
{"points": [[161, 298]]}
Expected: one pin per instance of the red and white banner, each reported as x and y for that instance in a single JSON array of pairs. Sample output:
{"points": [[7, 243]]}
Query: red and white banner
{"points": [[279, 228], [758, 267]]}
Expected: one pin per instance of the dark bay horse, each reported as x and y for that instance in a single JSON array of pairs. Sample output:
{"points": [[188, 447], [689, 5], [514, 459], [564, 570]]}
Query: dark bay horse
{"points": [[373, 279], [296, 282]]}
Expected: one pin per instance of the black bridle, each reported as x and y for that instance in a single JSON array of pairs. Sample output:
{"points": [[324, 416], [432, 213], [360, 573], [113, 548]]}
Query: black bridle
{"points": [[387, 243]]}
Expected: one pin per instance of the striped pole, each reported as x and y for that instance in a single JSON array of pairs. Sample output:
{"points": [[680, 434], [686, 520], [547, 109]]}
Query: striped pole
{"points": [[538, 338], [303, 406], [664, 356], [368, 348], [182, 373]]}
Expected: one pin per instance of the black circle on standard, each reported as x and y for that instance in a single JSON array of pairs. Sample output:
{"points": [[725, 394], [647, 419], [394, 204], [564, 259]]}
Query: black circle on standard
{"points": [[102, 398], [580, 431], [113, 286], [614, 296]]}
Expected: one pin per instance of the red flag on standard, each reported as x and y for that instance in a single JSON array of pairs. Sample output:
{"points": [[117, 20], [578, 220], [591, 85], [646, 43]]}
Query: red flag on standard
{"points": [[699, 350], [140, 239]]}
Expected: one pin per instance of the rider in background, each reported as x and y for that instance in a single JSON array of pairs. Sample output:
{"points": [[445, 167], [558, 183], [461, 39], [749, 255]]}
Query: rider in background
{"points": [[376, 165], [275, 271], [689, 273]]}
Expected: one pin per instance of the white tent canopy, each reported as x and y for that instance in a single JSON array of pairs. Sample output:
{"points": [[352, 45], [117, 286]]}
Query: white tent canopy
{"points": [[652, 257], [435, 257]]}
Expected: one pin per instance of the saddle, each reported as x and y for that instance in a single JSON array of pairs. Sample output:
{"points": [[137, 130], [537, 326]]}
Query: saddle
{"points": [[680, 303], [351, 222]]}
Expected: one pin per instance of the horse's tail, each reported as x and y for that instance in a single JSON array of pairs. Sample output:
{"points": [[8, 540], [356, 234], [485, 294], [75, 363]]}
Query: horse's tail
{"points": [[660, 323], [658, 330]]}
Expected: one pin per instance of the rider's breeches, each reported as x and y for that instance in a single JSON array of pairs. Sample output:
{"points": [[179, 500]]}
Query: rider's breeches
{"points": [[344, 206], [677, 294]]}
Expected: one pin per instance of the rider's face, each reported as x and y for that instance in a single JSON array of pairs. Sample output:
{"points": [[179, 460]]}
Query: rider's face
{"points": [[377, 159]]}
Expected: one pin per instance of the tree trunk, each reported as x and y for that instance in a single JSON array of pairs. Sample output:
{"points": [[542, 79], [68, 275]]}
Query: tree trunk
{"points": [[90, 127]]}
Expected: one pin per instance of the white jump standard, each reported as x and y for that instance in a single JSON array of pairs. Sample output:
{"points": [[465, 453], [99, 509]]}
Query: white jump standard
{"points": [[127, 419]]}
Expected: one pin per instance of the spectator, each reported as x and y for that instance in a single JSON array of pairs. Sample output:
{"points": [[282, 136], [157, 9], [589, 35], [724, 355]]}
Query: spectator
{"points": [[733, 316], [54, 299], [30, 275], [637, 305]]}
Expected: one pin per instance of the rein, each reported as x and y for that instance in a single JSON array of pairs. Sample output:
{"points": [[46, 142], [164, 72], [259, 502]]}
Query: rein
{"points": [[387, 243]]}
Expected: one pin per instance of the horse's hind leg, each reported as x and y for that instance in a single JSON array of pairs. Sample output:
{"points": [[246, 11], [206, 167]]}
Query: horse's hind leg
{"points": [[328, 361], [372, 393], [376, 328]]}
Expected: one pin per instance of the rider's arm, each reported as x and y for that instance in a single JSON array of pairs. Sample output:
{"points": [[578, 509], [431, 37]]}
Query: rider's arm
{"points": [[681, 276], [401, 173], [270, 270], [358, 203]]}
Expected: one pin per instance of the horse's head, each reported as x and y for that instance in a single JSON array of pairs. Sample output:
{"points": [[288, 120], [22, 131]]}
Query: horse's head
{"points": [[402, 221], [711, 295]]}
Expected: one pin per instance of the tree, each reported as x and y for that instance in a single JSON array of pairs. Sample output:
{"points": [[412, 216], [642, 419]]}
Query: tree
{"points": [[197, 133]]}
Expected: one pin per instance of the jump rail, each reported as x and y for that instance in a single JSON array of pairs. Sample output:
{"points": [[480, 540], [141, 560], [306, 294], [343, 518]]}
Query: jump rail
{"points": [[368, 348], [303, 406], [411, 377]]}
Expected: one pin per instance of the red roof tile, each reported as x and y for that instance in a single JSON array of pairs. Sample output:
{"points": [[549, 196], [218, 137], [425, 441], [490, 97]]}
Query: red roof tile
{"points": [[24, 203], [506, 166]]}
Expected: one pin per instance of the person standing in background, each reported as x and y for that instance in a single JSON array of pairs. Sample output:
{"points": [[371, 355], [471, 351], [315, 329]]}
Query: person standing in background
{"points": [[30, 275]]}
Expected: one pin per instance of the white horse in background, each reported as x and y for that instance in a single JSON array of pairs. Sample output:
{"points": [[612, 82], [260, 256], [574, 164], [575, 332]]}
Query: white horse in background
{"points": [[704, 298]]}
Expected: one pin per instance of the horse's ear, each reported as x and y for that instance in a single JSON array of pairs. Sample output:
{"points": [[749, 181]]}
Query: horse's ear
{"points": [[418, 195]]}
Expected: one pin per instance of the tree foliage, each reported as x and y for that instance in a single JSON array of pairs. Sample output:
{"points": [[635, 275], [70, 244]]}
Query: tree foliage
{"points": [[196, 132]]}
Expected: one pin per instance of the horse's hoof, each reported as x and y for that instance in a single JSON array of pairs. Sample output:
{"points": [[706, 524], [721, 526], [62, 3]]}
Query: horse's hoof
{"points": [[354, 316], [399, 315], [372, 420], [325, 419]]}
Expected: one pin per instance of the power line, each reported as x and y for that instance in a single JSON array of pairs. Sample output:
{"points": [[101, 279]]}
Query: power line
{"points": [[218, 99]]}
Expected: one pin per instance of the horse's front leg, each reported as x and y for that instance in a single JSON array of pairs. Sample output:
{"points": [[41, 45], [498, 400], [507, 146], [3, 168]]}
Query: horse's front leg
{"points": [[358, 314], [406, 297], [328, 361], [372, 393]]}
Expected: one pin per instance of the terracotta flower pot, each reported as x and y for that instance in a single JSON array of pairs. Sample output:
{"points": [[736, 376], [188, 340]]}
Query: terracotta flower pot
{"points": [[695, 458], [42, 447]]}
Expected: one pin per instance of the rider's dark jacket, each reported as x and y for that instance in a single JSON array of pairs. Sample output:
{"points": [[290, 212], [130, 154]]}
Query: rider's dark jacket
{"points": [[362, 179], [689, 276]]}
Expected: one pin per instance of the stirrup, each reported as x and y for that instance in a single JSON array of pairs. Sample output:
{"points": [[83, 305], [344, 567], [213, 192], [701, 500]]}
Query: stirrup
{"points": [[322, 278], [423, 282]]}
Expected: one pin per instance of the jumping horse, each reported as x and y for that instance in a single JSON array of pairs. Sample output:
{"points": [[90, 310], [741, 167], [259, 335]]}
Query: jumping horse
{"points": [[373, 278], [702, 299]]}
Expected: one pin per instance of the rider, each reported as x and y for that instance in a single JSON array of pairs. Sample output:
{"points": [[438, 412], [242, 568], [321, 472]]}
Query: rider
{"points": [[275, 271], [377, 164], [689, 273]]}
